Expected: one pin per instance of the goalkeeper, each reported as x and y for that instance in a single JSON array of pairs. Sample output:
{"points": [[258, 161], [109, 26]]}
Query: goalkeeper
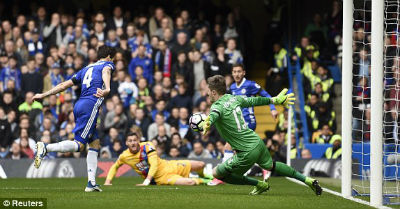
{"points": [[226, 115]]}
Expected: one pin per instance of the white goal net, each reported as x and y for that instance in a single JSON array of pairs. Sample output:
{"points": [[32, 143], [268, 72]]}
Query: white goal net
{"points": [[361, 100]]}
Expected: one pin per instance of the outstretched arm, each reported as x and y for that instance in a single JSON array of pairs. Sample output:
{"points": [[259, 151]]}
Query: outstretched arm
{"points": [[274, 113], [111, 173], [59, 88], [281, 99]]}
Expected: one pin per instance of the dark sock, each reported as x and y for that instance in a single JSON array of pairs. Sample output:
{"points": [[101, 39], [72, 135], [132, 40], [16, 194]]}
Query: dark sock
{"points": [[239, 180], [285, 170]]}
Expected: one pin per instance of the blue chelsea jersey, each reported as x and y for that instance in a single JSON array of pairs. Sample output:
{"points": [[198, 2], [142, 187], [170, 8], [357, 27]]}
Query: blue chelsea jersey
{"points": [[248, 88], [91, 78]]}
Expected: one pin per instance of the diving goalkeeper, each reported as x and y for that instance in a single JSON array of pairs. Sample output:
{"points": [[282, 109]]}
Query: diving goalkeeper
{"points": [[226, 116]]}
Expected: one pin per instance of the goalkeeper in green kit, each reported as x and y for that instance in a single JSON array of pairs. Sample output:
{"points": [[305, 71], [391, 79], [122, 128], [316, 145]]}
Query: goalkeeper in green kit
{"points": [[226, 115]]}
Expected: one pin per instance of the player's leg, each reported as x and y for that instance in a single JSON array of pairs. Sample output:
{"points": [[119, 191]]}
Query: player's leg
{"points": [[198, 167], [82, 117], [266, 173], [265, 161], [63, 146], [232, 171], [91, 161], [228, 153]]}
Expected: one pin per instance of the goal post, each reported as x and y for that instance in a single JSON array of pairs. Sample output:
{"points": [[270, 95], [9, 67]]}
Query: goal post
{"points": [[371, 100], [347, 75], [377, 69]]}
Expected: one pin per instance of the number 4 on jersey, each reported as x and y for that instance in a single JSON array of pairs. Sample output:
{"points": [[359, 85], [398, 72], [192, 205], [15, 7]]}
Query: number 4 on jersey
{"points": [[88, 77]]}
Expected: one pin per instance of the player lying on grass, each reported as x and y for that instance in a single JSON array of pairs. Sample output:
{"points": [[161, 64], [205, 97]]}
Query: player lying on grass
{"points": [[226, 116], [142, 157], [95, 81]]}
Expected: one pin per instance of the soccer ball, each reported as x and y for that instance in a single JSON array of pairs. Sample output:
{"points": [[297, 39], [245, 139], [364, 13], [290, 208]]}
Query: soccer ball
{"points": [[195, 121]]}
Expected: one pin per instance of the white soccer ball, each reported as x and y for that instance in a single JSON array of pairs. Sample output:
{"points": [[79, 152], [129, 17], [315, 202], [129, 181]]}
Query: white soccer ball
{"points": [[195, 121]]}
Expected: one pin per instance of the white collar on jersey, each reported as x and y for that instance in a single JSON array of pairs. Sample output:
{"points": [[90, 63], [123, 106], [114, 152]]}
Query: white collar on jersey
{"points": [[244, 80]]}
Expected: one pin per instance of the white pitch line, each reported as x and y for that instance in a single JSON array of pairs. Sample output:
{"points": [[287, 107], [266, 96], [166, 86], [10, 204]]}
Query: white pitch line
{"points": [[52, 188], [340, 195]]}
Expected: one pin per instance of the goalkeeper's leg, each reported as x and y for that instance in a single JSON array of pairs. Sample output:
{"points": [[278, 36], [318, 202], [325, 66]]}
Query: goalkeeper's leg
{"points": [[232, 171], [228, 153], [285, 170]]}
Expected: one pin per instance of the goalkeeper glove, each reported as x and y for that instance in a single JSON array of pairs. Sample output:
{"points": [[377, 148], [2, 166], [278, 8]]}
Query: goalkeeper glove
{"points": [[206, 125], [284, 99]]}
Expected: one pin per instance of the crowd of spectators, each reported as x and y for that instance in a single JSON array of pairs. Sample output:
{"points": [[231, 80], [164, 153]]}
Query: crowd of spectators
{"points": [[318, 48], [162, 63]]}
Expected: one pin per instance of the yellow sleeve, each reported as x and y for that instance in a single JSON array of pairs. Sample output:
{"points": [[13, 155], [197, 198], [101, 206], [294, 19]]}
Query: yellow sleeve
{"points": [[114, 168], [152, 158]]}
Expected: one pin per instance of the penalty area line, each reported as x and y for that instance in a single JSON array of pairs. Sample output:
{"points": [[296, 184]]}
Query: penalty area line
{"points": [[339, 194]]}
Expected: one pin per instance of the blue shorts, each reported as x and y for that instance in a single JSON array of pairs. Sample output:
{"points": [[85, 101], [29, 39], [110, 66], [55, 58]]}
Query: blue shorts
{"points": [[252, 126], [85, 113]]}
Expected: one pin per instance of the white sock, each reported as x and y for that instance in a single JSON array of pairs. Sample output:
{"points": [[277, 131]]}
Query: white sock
{"points": [[227, 154], [91, 160], [64, 146]]}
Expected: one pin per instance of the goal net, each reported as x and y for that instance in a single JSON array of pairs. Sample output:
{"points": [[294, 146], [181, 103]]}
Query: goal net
{"points": [[362, 142]]}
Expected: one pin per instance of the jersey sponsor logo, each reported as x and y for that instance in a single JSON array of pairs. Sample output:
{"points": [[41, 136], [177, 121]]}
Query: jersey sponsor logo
{"points": [[142, 165]]}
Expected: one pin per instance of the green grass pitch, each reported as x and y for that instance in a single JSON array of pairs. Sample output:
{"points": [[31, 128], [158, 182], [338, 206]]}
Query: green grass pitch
{"points": [[69, 193]]}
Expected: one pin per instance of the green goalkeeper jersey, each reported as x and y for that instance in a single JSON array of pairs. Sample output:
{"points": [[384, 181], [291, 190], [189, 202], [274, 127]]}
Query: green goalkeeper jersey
{"points": [[226, 115]]}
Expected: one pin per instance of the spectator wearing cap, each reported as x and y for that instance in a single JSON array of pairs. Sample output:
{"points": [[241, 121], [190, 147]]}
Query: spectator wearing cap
{"points": [[53, 78], [322, 115], [334, 152], [32, 80], [143, 61], [11, 72]]}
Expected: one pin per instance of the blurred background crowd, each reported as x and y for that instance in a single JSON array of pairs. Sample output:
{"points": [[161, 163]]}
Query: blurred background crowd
{"points": [[164, 55]]}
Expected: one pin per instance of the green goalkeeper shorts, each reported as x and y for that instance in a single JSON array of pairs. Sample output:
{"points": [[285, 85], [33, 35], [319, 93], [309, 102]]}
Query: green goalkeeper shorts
{"points": [[241, 162]]}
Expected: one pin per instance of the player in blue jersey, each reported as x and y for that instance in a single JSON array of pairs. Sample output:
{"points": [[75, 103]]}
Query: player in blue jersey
{"points": [[247, 88], [95, 81]]}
